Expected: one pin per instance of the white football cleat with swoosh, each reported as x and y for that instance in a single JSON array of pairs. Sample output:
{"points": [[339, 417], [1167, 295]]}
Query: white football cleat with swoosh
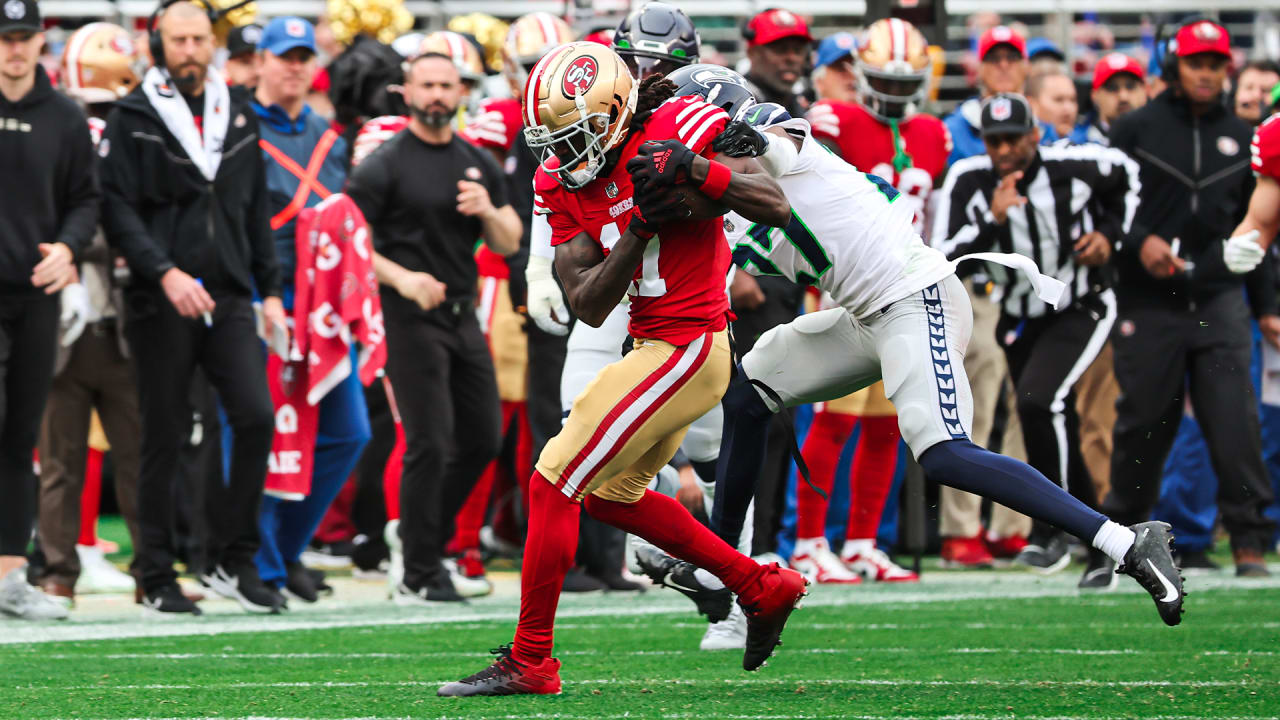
{"points": [[1150, 562]]}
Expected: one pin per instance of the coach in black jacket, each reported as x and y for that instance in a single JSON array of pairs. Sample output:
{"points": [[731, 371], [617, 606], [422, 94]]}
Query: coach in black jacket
{"points": [[186, 202], [1182, 317]]}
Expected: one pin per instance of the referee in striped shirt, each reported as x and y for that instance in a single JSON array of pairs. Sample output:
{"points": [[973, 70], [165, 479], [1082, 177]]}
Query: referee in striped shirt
{"points": [[1063, 207]]}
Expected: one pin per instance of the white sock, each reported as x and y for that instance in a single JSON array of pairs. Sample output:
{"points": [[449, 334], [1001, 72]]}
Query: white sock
{"points": [[1114, 540], [857, 547], [806, 546], [709, 581]]}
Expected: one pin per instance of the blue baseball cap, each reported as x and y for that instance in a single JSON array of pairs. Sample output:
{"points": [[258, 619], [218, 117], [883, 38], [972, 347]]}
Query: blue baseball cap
{"points": [[286, 33], [835, 47], [1042, 46]]}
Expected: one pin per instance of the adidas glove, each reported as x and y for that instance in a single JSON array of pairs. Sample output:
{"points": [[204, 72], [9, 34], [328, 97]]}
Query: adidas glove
{"points": [[1242, 253], [660, 164], [545, 302]]}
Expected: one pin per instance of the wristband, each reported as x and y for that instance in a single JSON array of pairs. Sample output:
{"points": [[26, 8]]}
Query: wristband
{"points": [[639, 228], [717, 182]]}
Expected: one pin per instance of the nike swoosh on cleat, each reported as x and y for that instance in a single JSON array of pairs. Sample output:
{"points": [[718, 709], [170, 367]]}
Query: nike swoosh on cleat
{"points": [[671, 581], [1171, 593]]}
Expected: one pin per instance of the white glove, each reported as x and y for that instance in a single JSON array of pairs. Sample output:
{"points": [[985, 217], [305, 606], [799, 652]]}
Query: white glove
{"points": [[1242, 253], [75, 312], [545, 302]]}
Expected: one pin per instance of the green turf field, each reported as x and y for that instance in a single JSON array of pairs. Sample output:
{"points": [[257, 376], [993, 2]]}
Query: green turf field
{"points": [[976, 646]]}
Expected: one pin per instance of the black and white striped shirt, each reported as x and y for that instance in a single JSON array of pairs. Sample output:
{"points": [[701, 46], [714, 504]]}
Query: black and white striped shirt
{"points": [[1070, 190]]}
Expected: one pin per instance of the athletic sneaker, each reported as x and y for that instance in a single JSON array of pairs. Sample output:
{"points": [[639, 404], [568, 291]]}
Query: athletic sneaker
{"points": [[329, 556], [299, 583], [966, 553], [768, 603], [1150, 562], [1100, 574], [680, 576], [467, 587], [813, 559], [246, 588], [98, 575], [496, 544], [875, 566], [508, 676], [1007, 548], [21, 599], [1046, 558], [1195, 561], [168, 602], [578, 582], [395, 570], [728, 634], [427, 595], [1250, 563], [471, 563]]}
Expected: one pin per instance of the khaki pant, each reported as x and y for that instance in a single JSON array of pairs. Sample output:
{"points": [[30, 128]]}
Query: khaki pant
{"points": [[984, 362], [96, 377], [1096, 394]]}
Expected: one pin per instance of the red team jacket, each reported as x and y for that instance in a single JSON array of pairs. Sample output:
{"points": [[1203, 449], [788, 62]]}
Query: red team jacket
{"points": [[868, 144], [678, 292]]}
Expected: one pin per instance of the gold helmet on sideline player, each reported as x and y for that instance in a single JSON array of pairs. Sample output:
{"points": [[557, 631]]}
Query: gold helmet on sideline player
{"points": [[462, 51], [577, 106], [530, 38], [893, 67], [100, 63]]}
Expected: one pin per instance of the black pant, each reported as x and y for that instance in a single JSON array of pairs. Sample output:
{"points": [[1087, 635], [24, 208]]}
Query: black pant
{"points": [[168, 348], [369, 508], [546, 364], [28, 347], [1047, 355], [1161, 352], [444, 383]]}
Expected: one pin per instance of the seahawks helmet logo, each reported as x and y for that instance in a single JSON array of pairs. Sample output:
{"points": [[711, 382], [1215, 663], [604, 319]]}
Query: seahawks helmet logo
{"points": [[710, 75]]}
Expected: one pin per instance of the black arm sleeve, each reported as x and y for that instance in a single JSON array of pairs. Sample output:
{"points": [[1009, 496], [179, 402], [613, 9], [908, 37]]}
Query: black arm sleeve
{"points": [[124, 225], [81, 197]]}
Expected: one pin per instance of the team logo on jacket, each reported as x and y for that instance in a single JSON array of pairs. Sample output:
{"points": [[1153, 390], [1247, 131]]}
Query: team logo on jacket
{"points": [[580, 76], [1228, 146], [239, 121], [472, 173], [611, 190], [1127, 328]]}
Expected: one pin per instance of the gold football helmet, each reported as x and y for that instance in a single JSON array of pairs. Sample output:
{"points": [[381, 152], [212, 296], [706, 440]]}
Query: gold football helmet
{"points": [[577, 106], [100, 63], [488, 30], [893, 67], [530, 38], [464, 54]]}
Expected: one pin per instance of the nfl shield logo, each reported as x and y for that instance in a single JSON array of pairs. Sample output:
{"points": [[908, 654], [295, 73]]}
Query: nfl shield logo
{"points": [[1001, 109], [611, 190]]}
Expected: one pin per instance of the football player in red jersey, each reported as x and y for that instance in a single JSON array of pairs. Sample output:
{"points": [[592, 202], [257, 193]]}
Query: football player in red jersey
{"points": [[881, 134], [617, 165], [1264, 205]]}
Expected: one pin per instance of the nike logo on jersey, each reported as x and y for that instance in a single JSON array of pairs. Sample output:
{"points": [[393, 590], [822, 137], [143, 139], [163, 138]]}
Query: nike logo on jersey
{"points": [[1170, 592]]}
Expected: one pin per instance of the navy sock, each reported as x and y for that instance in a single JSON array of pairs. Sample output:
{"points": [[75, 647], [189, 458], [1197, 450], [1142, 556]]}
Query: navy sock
{"points": [[1016, 485], [742, 452], [706, 470]]}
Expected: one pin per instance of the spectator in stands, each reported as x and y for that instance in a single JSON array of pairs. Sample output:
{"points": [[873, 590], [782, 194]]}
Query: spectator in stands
{"points": [[48, 212], [833, 76], [306, 162], [428, 194], [1182, 317], [1044, 56], [1119, 86], [1052, 95], [242, 65], [778, 46], [1003, 68], [1253, 90], [93, 371], [187, 204]]}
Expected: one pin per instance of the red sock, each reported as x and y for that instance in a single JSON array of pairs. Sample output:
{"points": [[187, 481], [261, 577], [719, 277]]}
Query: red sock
{"points": [[874, 462], [391, 475], [822, 446], [548, 555], [666, 523], [90, 498]]}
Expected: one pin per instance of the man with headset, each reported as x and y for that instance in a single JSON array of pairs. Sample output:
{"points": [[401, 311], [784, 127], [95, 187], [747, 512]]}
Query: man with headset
{"points": [[186, 202], [1182, 320]]}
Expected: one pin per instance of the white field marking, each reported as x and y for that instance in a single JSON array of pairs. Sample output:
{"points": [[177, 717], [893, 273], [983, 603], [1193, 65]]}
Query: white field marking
{"points": [[224, 617], [641, 653], [653, 682], [792, 716]]}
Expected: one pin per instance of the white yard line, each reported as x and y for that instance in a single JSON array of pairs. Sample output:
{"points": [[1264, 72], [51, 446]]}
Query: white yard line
{"points": [[790, 716]]}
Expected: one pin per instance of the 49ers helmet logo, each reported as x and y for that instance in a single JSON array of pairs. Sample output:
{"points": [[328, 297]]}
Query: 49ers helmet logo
{"points": [[580, 76]]}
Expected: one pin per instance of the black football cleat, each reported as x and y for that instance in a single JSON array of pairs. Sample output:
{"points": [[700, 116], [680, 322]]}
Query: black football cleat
{"points": [[767, 606], [679, 575], [508, 676], [1150, 562]]}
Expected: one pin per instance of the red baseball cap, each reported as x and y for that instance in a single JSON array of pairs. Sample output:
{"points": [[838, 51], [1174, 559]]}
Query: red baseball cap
{"points": [[1001, 35], [1200, 37], [1113, 63], [775, 24]]}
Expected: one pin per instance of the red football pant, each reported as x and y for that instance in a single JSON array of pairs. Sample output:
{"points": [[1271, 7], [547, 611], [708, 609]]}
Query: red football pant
{"points": [[870, 476], [471, 517]]}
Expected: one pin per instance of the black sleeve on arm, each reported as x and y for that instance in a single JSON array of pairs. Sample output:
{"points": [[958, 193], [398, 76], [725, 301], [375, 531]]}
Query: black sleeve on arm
{"points": [[956, 229], [79, 187], [368, 186], [125, 228], [264, 263], [495, 180]]}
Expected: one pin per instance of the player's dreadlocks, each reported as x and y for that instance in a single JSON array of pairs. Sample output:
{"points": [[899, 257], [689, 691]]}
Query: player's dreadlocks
{"points": [[654, 90]]}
